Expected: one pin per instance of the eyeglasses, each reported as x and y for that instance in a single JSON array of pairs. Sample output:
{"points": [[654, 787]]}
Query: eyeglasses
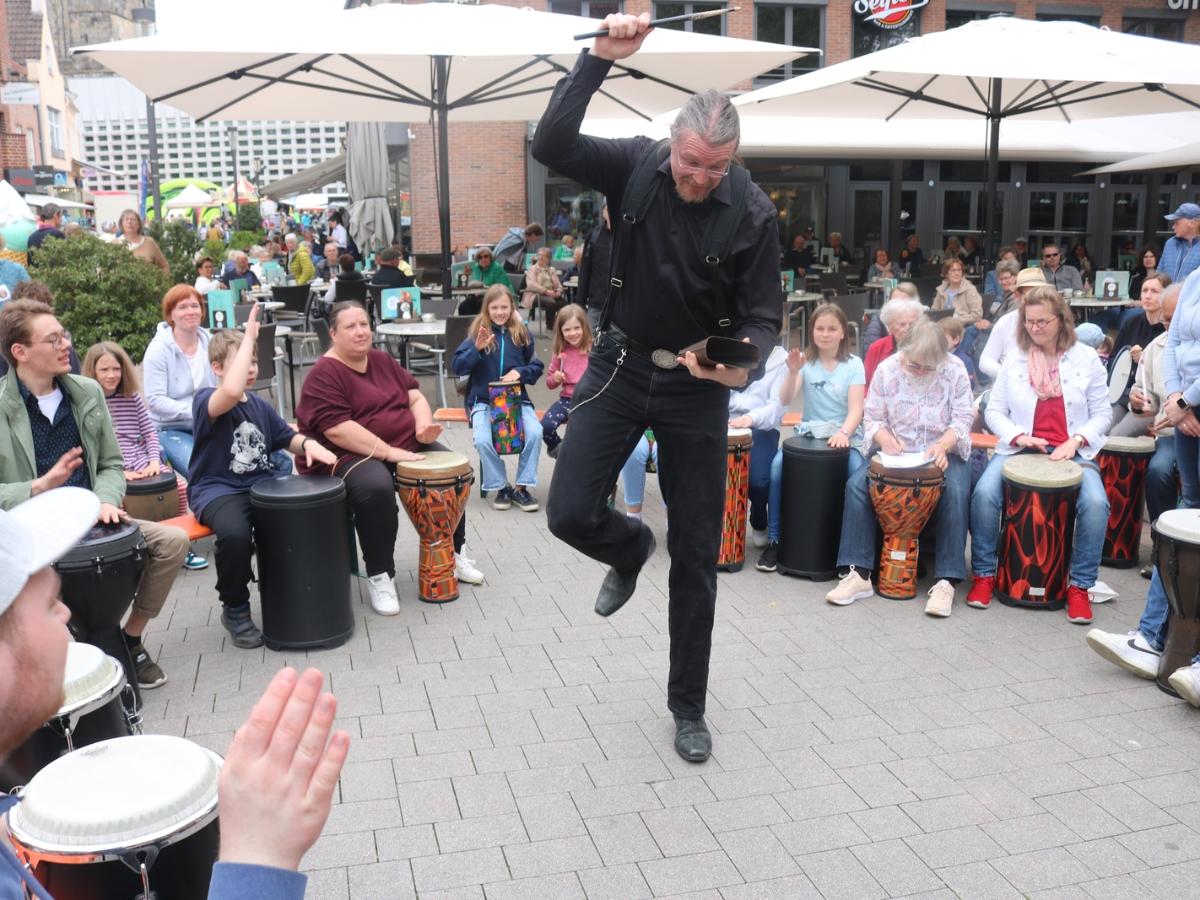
{"points": [[692, 169], [56, 340], [1039, 324], [917, 367], [1049, 255]]}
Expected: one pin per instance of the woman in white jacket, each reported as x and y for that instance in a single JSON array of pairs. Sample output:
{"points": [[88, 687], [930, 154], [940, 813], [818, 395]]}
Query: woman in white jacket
{"points": [[1051, 396], [757, 407]]}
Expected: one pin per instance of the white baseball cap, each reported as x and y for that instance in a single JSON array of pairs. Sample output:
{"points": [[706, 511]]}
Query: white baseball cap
{"points": [[38, 532]]}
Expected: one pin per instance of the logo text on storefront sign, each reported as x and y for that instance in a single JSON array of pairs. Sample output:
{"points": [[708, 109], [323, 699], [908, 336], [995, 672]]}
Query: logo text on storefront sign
{"points": [[896, 13]]}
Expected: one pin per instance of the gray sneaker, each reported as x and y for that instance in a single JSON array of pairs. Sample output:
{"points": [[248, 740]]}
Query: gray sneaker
{"points": [[149, 674], [503, 498], [241, 627], [524, 500]]}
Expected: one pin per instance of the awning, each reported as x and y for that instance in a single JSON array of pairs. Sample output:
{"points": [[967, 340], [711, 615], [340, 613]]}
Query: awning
{"points": [[314, 178], [43, 199]]}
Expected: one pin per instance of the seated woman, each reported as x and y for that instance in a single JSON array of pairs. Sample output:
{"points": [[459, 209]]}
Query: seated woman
{"points": [[882, 267], [346, 273], [369, 412], [905, 290], [542, 286], [1051, 396], [953, 249], [174, 368], [757, 407], [898, 316], [957, 293], [919, 402], [1138, 332], [834, 385], [483, 272]]}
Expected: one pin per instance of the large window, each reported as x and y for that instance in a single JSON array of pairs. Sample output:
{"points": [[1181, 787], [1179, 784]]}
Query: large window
{"points": [[956, 17], [54, 118], [589, 9], [1055, 14], [1164, 29], [798, 26], [877, 28], [714, 25]]}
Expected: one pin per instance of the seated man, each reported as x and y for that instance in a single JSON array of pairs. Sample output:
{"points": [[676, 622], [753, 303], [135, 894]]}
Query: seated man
{"points": [[275, 790], [55, 430], [393, 271], [238, 268], [327, 265], [918, 402], [800, 257]]}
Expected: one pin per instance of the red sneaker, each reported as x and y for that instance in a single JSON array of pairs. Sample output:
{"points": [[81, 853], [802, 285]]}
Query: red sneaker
{"points": [[980, 595], [1079, 607]]}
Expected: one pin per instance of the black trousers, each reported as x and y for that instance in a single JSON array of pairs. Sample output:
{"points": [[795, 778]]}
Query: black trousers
{"points": [[229, 518], [689, 418], [371, 494]]}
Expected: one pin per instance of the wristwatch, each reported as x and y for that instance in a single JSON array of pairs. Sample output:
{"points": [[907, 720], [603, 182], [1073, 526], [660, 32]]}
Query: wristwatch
{"points": [[1182, 404]]}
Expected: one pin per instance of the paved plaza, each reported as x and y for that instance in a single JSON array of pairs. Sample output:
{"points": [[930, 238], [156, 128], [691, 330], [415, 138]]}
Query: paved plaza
{"points": [[513, 744]]}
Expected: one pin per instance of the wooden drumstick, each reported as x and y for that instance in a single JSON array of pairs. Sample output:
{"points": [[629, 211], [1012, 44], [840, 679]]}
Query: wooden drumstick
{"points": [[688, 17]]}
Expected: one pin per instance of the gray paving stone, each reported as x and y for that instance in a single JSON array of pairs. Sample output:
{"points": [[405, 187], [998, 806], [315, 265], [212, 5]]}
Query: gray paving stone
{"points": [[622, 839], [947, 812], [428, 801], [838, 874], [679, 831], [885, 823], [1106, 858], [794, 887], [758, 854], [978, 880], [1164, 845], [958, 846], [815, 835], [680, 874], [551, 857], [545, 887], [1041, 869], [385, 879], [749, 812], [406, 842], [894, 865], [614, 883], [454, 870]]}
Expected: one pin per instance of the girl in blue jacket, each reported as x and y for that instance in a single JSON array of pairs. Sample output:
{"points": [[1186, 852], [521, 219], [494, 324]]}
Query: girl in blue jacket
{"points": [[500, 348]]}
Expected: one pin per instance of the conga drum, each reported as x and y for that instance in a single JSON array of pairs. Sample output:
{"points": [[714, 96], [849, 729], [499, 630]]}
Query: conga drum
{"points": [[121, 819], [1177, 555], [98, 704], [1037, 531], [302, 543], [100, 578], [814, 495], [1123, 462], [904, 499], [508, 431], [434, 493], [154, 498], [732, 555]]}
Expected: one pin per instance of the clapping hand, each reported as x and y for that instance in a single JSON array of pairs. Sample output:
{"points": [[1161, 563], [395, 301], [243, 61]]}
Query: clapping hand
{"points": [[252, 323], [427, 434], [795, 360], [484, 338]]}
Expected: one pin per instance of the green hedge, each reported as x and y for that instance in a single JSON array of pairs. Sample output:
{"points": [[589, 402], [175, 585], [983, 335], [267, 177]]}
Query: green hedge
{"points": [[102, 292]]}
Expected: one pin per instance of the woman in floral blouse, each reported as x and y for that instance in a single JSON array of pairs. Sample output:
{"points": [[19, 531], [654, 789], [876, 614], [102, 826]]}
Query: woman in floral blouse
{"points": [[919, 402]]}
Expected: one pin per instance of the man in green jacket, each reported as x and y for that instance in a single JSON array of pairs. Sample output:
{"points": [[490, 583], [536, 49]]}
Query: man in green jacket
{"points": [[55, 430]]}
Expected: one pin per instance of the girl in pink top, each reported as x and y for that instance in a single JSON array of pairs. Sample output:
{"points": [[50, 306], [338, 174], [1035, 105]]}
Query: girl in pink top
{"points": [[572, 343]]}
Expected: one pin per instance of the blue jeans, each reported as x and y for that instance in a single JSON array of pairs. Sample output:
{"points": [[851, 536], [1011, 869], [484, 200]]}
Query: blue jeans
{"points": [[494, 475], [177, 448], [558, 413], [762, 456], [1091, 521], [1153, 624], [775, 493], [965, 349], [1161, 491], [633, 473], [1187, 457], [858, 548]]}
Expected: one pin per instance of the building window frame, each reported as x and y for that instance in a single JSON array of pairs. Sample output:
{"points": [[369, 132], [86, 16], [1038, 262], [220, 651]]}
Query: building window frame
{"points": [[567, 7], [792, 69], [54, 127], [689, 8]]}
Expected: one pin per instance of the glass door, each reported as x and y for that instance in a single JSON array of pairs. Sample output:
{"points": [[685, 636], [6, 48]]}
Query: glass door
{"points": [[1059, 214], [868, 220]]}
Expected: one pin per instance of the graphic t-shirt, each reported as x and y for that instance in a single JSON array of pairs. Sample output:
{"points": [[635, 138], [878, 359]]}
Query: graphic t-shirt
{"points": [[232, 453]]}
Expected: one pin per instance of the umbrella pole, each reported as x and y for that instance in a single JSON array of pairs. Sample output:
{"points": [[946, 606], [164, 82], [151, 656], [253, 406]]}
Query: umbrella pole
{"points": [[993, 173], [440, 90]]}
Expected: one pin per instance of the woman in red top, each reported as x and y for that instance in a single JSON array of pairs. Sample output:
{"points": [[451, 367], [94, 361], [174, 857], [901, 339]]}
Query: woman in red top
{"points": [[898, 315], [360, 404], [1051, 396]]}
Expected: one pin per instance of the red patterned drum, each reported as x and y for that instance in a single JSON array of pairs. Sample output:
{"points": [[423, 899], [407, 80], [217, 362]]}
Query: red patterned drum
{"points": [[1037, 531], [434, 493], [1177, 555], [904, 499], [1123, 463], [737, 499]]}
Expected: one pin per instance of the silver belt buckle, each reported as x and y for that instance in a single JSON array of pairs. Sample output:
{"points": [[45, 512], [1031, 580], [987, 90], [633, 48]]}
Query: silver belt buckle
{"points": [[664, 359]]}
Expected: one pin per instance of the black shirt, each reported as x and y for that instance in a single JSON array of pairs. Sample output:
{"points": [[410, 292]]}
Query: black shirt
{"points": [[669, 299], [390, 277], [594, 268], [798, 259], [1134, 333], [52, 439]]}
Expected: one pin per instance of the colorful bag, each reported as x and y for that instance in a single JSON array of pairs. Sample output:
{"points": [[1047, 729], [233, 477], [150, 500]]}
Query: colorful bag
{"points": [[508, 431]]}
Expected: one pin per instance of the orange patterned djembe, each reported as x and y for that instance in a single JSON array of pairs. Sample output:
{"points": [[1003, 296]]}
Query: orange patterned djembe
{"points": [[737, 498], [904, 499], [434, 493]]}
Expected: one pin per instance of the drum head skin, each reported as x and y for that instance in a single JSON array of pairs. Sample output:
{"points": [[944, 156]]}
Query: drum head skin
{"points": [[1040, 471], [1143, 445], [740, 437], [1122, 368], [1180, 524], [910, 475], [154, 484], [88, 672], [123, 792], [438, 465]]}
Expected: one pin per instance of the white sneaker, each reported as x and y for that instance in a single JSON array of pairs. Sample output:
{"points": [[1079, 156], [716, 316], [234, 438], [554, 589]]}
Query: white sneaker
{"points": [[852, 587], [465, 570], [758, 538], [941, 599], [1187, 682], [1129, 651], [383, 594]]}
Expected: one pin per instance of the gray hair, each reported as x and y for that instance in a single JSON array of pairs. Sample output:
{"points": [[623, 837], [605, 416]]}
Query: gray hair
{"points": [[1008, 267], [907, 287], [1172, 290], [711, 116], [291, 240], [894, 308], [926, 344], [835, 234]]}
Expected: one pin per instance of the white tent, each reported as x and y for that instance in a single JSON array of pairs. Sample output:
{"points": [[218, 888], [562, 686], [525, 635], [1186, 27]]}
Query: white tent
{"points": [[406, 62], [191, 197], [996, 70], [40, 200], [1175, 158]]}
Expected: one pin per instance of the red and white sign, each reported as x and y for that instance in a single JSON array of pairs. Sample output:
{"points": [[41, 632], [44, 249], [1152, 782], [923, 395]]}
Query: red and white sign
{"points": [[888, 13]]}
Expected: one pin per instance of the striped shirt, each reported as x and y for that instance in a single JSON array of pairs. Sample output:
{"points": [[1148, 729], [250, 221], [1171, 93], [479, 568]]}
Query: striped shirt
{"points": [[136, 434]]}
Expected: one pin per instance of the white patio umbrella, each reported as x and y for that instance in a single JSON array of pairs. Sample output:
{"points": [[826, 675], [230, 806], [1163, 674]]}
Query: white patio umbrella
{"points": [[367, 182], [1174, 158], [447, 61], [997, 69], [191, 197]]}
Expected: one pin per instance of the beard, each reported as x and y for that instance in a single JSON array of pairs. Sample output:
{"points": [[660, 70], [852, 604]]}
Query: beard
{"points": [[689, 193]]}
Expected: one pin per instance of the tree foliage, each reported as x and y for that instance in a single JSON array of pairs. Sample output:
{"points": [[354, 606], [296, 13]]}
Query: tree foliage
{"points": [[102, 292], [180, 244]]}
